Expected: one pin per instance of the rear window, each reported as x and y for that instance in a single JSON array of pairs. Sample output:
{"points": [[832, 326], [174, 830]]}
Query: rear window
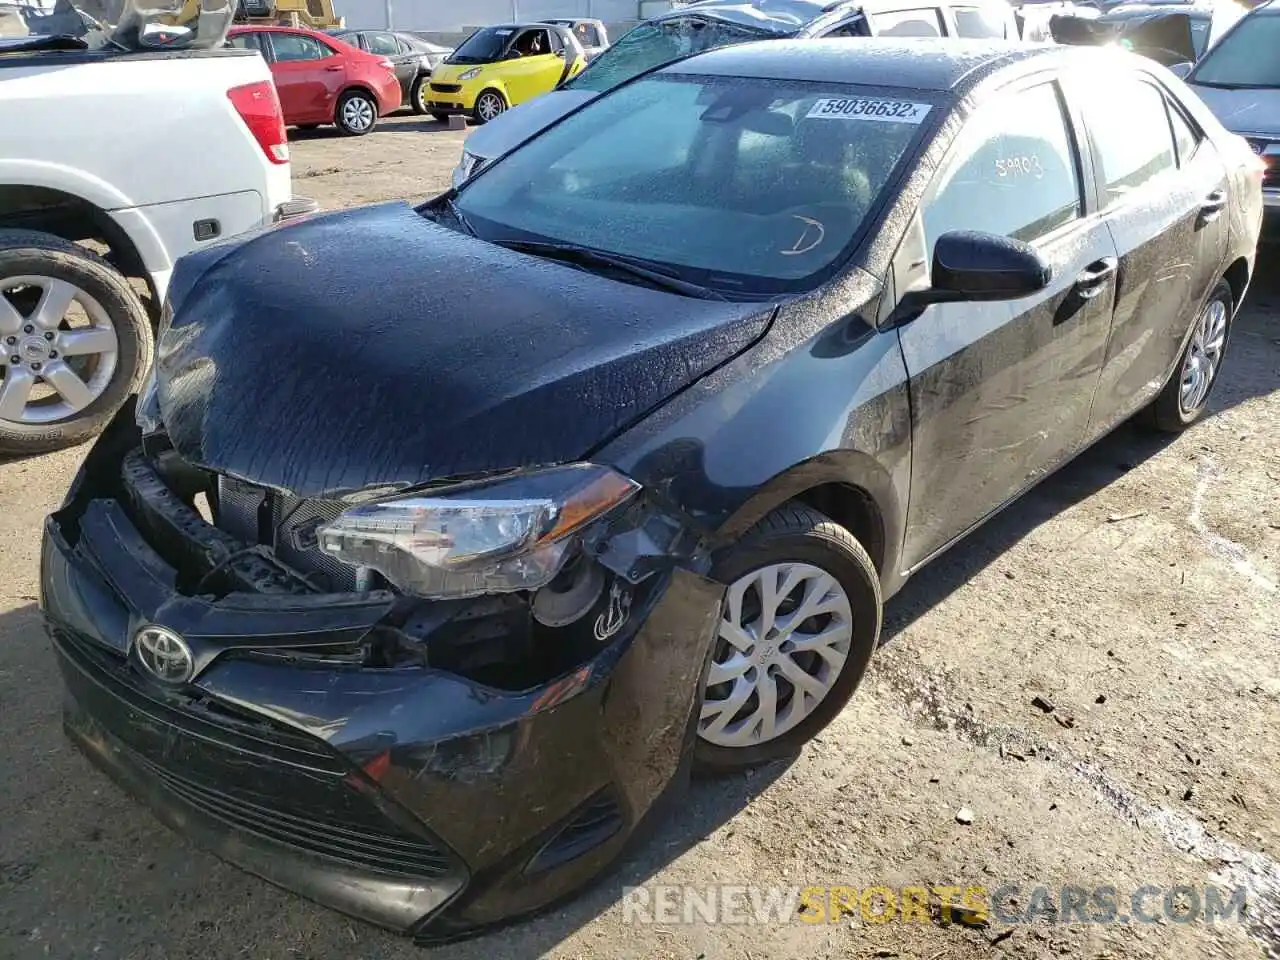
{"points": [[979, 23]]}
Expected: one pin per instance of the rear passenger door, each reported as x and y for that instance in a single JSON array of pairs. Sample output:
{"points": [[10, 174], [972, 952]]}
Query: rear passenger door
{"points": [[308, 76], [1000, 392], [1163, 189]]}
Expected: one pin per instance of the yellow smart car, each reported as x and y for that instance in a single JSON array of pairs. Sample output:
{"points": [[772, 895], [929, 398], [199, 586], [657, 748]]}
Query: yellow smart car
{"points": [[499, 67]]}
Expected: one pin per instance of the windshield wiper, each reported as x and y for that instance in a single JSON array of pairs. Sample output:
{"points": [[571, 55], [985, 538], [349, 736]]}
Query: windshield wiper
{"points": [[589, 257]]}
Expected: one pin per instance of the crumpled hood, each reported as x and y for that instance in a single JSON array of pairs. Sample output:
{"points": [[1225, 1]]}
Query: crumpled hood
{"points": [[375, 347]]}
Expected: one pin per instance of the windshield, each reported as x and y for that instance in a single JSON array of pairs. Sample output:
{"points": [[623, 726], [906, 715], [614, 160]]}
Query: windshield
{"points": [[121, 24], [753, 187], [483, 46], [657, 42], [1245, 57]]}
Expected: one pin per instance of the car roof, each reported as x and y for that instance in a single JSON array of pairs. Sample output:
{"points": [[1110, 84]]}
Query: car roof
{"points": [[908, 63]]}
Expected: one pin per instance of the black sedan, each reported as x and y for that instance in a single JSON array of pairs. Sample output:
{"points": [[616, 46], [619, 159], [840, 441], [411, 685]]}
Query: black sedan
{"points": [[446, 540]]}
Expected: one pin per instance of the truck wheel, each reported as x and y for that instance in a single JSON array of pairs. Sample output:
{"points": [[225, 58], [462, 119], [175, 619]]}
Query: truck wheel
{"points": [[76, 343], [357, 114]]}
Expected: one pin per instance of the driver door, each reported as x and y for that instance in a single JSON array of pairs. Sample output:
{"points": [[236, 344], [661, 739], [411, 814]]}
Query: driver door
{"points": [[532, 73], [1001, 391]]}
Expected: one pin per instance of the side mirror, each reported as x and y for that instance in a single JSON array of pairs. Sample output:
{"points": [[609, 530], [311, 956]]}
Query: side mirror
{"points": [[1180, 70], [969, 265]]}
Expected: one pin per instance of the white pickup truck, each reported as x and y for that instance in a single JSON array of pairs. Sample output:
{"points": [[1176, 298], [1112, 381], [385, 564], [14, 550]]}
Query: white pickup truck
{"points": [[124, 148]]}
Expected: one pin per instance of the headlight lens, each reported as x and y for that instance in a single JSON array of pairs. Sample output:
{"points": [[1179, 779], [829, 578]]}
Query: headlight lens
{"points": [[510, 535], [469, 74]]}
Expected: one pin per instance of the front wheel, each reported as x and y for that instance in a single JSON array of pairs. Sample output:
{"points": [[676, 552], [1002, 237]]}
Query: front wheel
{"points": [[801, 619], [489, 106], [1185, 397], [418, 96], [357, 114], [76, 342]]}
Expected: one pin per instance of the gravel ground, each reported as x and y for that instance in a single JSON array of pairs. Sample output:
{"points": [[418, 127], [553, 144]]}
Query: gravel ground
{"points": [[1135, 592]]}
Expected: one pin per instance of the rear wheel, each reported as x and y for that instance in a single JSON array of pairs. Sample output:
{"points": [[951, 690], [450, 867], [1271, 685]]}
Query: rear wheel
{"points": [[489, 106], [800, 621], [1186, 396], [76, 342], [418, 96], [356, 114]]}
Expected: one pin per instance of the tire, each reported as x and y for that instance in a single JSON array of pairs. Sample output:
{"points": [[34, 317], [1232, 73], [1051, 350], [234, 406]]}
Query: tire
{"points": [[356, 113], [792, 540], [417, 96], [50, 420], [490, 105], [1179, 405]]}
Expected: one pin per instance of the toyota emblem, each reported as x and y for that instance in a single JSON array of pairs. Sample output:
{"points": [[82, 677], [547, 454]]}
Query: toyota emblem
{"points": [[164, 654]]}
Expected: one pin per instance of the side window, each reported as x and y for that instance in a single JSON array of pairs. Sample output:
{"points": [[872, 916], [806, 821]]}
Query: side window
{"points": [[1185, 138], [854, 28], [979, 22], [555, 41], [247, 41], [404, 47], [383, 44], [1012, 171], [533, 43], [1129, 127], [926, 22], [294, 46]]}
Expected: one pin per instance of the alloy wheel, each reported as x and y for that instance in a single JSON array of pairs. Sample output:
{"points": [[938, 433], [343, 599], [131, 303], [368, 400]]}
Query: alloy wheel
{"points": [[358, 114], [60, 349], [1204, 356], [489, 106], [784, 637]]}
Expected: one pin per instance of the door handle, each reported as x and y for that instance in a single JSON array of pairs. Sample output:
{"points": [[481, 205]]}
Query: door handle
{"points": [[334, 67], [1093, 279], [1213, 206]]}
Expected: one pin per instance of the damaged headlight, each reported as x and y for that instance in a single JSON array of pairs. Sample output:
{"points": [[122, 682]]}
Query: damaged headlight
{"points": [[512, 534]]}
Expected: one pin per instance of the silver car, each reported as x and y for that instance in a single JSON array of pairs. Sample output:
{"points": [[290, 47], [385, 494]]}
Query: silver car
{"points": [[1239, 79]]}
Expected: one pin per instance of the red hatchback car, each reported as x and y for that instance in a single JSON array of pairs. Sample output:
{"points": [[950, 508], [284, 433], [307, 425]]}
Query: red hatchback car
{"points": [[320, 79]]}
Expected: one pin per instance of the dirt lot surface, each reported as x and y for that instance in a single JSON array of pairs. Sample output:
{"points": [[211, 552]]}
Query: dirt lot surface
{"points": [[1136, 592]]}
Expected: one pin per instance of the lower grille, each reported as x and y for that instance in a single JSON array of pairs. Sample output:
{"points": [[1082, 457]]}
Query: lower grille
{"points": [[446, 87], [400, 854]]}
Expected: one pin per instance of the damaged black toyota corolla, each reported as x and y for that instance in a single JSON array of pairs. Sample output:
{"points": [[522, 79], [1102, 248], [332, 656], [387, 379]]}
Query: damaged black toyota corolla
{"points": [[446, 541]]}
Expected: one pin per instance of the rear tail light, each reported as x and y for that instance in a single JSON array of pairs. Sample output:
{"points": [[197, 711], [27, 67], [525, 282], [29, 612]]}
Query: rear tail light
{"points": [[259, 108]]}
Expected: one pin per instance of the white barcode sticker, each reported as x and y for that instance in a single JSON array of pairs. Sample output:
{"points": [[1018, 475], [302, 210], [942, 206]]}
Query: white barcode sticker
{"points": [[868, 108]]}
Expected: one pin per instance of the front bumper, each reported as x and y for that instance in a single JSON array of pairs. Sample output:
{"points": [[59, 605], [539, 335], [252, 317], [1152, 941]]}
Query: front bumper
{"points": [[451, 98], [412, 798]]}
